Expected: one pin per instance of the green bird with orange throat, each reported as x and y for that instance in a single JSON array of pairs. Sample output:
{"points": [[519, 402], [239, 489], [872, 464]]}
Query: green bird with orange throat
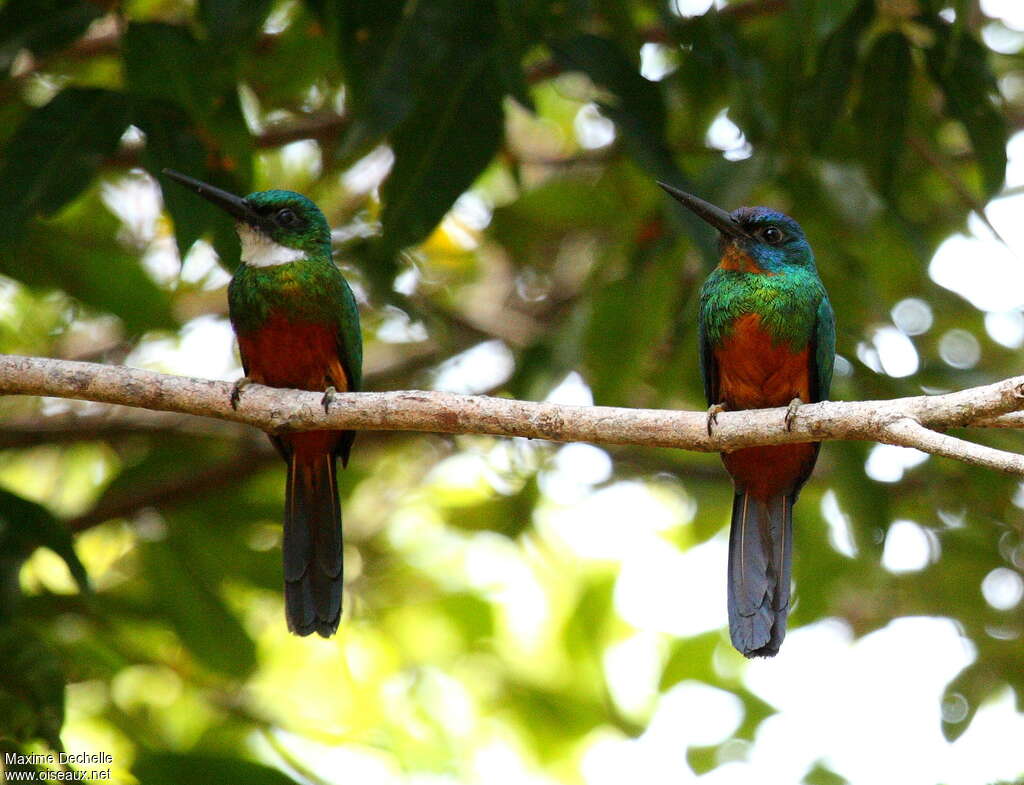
{"points": [[767, 338], [297, 326]]}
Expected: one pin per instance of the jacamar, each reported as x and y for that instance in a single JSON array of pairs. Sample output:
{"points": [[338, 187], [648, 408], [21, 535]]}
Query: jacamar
{"points": [[767, 338], [297, 326]]}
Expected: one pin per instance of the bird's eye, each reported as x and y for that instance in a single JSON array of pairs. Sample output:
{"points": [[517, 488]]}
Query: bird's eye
{"points": [[773, 235], [286, 217]]}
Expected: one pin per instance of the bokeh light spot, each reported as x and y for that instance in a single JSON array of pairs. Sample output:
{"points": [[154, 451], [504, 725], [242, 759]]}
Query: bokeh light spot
{"points": [[1002, 588], [913, 316], [907, 548], [959, 348]]}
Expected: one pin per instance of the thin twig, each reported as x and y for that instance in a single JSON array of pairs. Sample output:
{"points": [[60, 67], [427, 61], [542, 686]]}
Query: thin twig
{"points": [[922, 148]]}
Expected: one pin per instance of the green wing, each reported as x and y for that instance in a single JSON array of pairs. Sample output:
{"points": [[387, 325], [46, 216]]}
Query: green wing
{"points": [[350, 350], [823, 350], [708, 364], [350, 337]]}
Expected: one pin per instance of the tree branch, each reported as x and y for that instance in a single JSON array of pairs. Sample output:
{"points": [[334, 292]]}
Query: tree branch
{"points": [[902, 421], [908, 432]]}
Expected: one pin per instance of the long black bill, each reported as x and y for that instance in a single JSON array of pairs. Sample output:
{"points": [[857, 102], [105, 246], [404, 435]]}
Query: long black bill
{"points": [[234, 205], [715, 216]]}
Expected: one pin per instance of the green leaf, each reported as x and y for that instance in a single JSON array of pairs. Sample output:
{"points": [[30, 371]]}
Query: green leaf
{"points": [[510, 514], [232, 25], [635, 104], [755, 710], [473, 616], [636, 107], [543, 214], [999, 663], [162, 461], [824, 17], [42, 26], [184, 586], [31, 688], [883, 108], [863, 499], [56, 152], [168, 768], [299, 59], [511, 48], [165, 62], [587, 626], [439, 151], [702, 759], [552, 719], [172, 142], [825, 96], [363, 32], [690, 658], [820, 774], [434, 43], [230, 144], [963, 697], [25, 525], [628, 323], [187, 105], [959, 65], [78, 253], [713, 69]]}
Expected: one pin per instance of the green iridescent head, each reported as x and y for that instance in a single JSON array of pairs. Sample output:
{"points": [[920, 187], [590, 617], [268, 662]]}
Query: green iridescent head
{"points": [[275, 227], [289, 219]]}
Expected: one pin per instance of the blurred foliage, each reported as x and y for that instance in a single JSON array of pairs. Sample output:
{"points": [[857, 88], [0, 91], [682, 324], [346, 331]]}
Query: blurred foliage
{"points": [[489, 167]]}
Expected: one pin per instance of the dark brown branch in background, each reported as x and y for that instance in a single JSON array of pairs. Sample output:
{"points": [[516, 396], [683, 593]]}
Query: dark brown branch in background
{"points": [[113, 423], [188, 485], [321, 126]]}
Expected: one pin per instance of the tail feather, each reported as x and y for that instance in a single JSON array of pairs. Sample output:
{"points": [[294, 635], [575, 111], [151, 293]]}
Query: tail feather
{"points": [[312, 544], [760, 557]]}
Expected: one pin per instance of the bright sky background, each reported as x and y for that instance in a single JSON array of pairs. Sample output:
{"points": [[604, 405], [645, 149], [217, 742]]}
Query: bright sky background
{"points": [[869, 709]]}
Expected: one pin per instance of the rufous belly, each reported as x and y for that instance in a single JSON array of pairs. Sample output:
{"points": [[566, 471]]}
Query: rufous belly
{"points": [[300, 355], [755, 373]]}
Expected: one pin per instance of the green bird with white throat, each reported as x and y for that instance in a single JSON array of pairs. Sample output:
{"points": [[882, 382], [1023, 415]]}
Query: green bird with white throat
{"points": [[297, 325]]}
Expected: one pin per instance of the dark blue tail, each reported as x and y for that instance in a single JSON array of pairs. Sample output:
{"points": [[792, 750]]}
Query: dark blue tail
{"points": [[312, 544], [760, 554]]}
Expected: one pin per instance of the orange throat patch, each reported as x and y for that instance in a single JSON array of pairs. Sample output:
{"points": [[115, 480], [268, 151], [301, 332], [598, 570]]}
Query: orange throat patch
{"points": [[733, 258]]}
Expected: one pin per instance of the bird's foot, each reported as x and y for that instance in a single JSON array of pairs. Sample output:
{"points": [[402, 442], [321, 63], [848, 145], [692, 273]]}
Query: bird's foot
{"points": [[791, 411], [328, 399], [713, 412], [236, 390]]}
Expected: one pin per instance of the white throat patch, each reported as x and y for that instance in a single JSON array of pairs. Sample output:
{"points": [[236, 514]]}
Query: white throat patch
{"points": [[258, 250]]}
